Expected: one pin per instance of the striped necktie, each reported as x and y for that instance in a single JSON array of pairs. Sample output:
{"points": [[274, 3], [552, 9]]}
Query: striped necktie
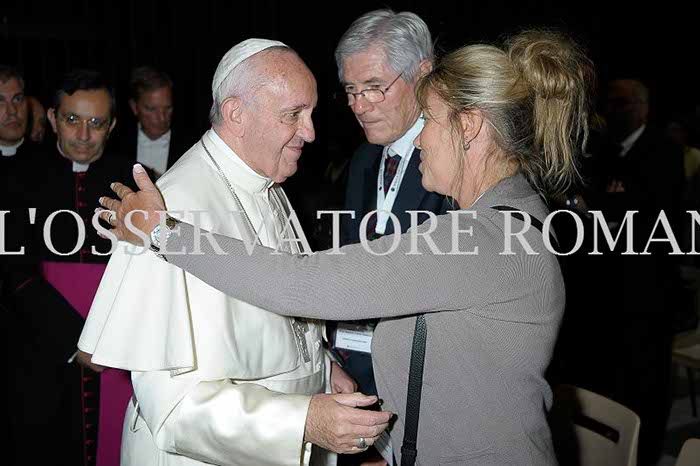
{"points": [[390, 166], [391, 163]]}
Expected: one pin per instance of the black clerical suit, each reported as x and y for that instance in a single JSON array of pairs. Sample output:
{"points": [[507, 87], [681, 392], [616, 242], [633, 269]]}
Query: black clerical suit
{"points": [[53, 409]]}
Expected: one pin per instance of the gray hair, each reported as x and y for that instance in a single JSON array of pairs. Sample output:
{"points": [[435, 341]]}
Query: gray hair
{"points": [[10, 72], [242, 82], [404, 37]]}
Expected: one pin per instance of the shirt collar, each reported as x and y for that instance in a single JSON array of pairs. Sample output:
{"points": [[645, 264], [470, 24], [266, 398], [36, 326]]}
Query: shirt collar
{"points": [[235, 169], [80, 167], [76, 167], [629, 141], [144, 140], [404, 145], [9, 151]]}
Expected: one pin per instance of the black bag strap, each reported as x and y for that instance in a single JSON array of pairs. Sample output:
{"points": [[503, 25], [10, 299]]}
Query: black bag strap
{"points": [[415, 386], [415, 376]]}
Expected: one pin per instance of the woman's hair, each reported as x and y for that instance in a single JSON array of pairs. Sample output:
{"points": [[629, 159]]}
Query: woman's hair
{"points": [[534, 93]]}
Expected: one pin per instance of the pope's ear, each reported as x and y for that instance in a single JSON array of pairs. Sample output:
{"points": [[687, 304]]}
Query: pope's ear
{"points": [[232, 115]]}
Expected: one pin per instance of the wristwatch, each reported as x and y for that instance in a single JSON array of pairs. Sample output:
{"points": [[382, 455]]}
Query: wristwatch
{"points": [[160, 236]]}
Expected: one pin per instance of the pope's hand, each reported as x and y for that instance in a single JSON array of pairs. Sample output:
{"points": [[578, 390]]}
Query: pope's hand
{"points": [[147, 200], [335, 423]]}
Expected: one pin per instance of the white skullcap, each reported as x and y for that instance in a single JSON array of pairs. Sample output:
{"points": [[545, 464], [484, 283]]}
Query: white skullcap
{"points": [[236, 55]]}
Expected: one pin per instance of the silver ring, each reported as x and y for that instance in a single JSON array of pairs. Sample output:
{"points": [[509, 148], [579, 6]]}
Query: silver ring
{"points": [[362, 443], [111, 217]]}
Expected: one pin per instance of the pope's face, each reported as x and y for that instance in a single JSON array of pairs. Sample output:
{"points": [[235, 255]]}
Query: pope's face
{"points": [[277, 122], [13, 112]]}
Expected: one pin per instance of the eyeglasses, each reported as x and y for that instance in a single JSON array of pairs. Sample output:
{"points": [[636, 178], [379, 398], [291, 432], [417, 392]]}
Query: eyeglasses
{"points": [[94, 123], [373, 96]]}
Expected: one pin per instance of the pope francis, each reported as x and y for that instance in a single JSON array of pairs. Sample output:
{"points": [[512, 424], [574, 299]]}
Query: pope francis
{"points": [[215, 379]]}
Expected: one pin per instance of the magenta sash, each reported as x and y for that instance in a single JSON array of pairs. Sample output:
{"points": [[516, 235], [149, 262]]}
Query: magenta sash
{"points": [[78, 284]]}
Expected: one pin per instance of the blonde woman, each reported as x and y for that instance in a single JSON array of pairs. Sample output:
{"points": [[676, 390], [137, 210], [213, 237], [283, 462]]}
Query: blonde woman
{"points": [[502, 126]]}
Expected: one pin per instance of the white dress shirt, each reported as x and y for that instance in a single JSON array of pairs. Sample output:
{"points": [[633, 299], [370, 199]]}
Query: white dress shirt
{"points": [[629, 141], [403, 147], [153, 153]]}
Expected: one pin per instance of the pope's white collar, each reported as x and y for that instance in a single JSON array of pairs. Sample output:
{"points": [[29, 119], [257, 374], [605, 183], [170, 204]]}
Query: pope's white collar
{"points": [[235, 169]]}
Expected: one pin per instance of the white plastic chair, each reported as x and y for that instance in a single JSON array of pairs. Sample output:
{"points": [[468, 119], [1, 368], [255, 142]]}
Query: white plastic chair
{"points": [[690, 453], [591, 430]]}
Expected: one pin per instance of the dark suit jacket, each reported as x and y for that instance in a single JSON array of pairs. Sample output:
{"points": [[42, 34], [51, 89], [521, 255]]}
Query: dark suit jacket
{"points": [[127, 140], [651, 172], [361, 194], [652, 176]]}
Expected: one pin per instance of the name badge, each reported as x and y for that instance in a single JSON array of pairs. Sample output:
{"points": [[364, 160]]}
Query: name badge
{"points": [[354, 337]]}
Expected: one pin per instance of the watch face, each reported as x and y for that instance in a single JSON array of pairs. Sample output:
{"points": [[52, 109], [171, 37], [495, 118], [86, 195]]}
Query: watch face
{"points": [[155, 236]]}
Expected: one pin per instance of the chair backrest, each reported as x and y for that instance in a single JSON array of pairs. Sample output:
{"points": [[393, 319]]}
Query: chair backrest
{"points": [[690, 453], [591, 430]]}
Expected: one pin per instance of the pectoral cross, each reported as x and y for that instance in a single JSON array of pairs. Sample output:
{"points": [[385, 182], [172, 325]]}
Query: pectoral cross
{"points": [[301, 328]]}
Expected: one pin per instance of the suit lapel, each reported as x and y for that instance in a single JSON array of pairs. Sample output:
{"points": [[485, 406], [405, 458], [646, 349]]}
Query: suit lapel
{"points": [[369, 201], [411, 193]]}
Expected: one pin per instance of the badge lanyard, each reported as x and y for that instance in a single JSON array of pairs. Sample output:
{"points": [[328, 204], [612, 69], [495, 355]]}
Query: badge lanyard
{"points": [[385, 202]]}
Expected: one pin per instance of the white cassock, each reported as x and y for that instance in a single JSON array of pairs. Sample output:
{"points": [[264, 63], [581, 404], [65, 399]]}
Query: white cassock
{"points": [[216, 380]]}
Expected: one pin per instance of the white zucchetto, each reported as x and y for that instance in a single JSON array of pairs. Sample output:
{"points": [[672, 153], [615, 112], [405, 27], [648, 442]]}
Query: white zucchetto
{"points": [[236, 55]]}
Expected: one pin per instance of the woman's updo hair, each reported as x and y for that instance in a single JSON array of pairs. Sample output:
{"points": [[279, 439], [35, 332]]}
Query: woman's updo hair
{"points": [[534, 92]]}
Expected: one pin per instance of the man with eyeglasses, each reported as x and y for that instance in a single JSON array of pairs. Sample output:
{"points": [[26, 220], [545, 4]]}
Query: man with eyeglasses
{"points": [[380, 59], [83, 411], [80, 170]]}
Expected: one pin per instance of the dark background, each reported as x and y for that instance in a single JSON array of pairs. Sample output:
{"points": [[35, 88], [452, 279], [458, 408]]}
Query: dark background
{"points": [[656, 43]]}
